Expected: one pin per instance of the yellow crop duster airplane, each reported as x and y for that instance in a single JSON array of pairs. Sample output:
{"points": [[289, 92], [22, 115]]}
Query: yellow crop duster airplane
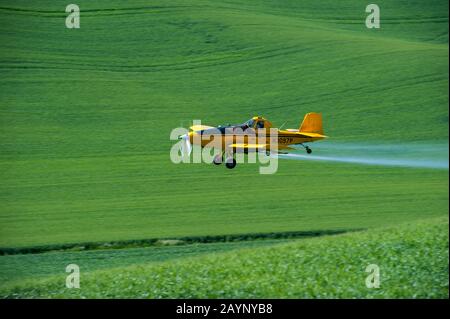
{"points": [[238, 138]]}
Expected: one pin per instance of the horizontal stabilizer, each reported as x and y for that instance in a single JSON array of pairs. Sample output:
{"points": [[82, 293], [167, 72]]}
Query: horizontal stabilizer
{"points": [[312, 134], [285, 147]]}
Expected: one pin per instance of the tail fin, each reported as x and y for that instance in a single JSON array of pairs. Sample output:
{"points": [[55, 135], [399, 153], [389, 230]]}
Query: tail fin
{"points": [[312, 123]]}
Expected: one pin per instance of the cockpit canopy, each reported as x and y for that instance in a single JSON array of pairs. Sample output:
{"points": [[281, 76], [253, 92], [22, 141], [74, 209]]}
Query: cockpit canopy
{"points": [[258, 122]]}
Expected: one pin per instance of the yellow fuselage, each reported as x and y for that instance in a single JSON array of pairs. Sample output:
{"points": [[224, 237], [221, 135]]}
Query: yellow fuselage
{"points": [[280, 141]]}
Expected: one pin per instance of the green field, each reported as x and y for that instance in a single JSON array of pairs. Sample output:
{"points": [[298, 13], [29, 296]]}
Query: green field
{"points": [[86, 114], [404, 254]]}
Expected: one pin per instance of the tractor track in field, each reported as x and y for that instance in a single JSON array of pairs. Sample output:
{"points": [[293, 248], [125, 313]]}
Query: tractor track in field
{"points": [[58, 13], [237, 57]]}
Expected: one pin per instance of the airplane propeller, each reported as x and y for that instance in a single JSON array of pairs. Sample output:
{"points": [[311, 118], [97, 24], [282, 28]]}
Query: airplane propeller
{"points": [[186, 147]]}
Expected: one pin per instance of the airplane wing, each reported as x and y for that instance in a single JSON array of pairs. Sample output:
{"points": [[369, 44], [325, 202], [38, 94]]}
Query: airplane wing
{"points": [[200, 127], [257, 147], [245, 146]]}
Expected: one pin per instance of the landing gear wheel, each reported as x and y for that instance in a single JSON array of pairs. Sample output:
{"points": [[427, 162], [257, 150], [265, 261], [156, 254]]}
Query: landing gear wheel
{"points": [[308, 150], [230, 163], [217, 159]]}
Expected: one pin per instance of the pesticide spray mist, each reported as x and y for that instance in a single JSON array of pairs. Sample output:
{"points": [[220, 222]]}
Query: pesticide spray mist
{"points": [[433, 156]]}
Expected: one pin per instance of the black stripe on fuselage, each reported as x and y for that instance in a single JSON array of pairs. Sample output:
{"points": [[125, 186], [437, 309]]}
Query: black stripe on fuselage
{"points": [[223, 129]]}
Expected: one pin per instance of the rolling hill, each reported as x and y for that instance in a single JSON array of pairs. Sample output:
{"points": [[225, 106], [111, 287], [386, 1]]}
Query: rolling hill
{"points": [[412, 258]]}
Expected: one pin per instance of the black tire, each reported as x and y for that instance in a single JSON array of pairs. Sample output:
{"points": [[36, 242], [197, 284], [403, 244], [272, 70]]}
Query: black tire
{"points": [[230, 163], [217, 159], [308, 150]]}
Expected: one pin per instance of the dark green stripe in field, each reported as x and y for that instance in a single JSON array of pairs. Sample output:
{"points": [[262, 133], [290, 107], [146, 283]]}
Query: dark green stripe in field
{"points": [[21, 267], [177, 241]]}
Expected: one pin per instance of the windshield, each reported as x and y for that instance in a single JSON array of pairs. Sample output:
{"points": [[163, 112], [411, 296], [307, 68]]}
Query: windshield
{"points": [[249, 123]]}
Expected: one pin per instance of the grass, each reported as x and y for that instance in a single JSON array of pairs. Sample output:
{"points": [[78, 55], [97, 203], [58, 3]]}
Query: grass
{"points": [[16, 268], [120, 201], [412, 258], [85, 118]]}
